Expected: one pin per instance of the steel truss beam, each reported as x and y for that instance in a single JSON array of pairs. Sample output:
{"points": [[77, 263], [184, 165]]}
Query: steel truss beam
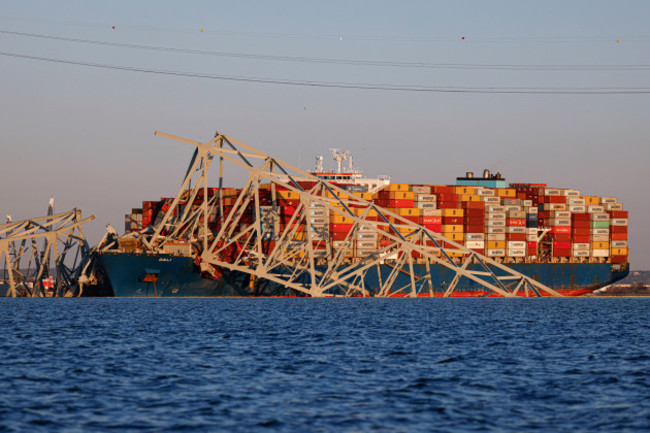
{"points": [[308, 261], [27, 247]]}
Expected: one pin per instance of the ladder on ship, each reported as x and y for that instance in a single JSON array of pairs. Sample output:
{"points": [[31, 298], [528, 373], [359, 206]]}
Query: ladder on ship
{"points": [[299, 255]]}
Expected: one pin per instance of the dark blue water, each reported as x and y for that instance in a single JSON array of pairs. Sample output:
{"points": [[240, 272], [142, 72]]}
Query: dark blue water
{"points": [[324, 365]]}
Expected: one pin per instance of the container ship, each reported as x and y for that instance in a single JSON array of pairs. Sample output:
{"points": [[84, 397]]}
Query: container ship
{"points": [[480, 226]]}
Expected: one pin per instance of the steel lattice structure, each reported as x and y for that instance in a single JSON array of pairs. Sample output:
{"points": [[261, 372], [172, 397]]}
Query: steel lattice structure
{"points": [[312, 265], [27, 247]]}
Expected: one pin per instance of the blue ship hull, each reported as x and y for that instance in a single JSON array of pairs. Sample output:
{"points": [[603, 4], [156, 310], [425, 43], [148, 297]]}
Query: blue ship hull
{"points": [[137, 275]]}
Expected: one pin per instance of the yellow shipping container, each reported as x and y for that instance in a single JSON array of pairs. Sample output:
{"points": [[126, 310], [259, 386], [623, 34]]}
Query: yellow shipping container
{"points": [[452, 228], [358, 211], [288, 195], [397, 187], [592, 200], [402, 195], [299, 236], [507, 192], [408, 211], [600, 245], [464, 190], [458, 237], [452, 212], [619, 251], [496, 245], [340, 219], [362, 195], [469, 197]]}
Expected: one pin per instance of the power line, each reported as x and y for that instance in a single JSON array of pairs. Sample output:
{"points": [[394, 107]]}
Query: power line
{"points": [[360, 86], [548, 67]]}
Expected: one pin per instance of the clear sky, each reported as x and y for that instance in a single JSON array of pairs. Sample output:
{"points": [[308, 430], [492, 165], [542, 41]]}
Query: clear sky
{"points": [[85, 134]]}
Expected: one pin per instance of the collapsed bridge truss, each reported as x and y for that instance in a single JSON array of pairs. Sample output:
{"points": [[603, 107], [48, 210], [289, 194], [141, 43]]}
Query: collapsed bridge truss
{"points": [[28, 247], [299, 254]]}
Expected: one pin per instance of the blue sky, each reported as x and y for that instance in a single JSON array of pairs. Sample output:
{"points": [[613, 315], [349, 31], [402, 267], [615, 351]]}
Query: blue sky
{"points": [[86, 134]]}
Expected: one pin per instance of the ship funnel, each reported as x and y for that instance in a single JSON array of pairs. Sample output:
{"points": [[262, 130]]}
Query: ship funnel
{"points": [[486, 174], [469, 175]]}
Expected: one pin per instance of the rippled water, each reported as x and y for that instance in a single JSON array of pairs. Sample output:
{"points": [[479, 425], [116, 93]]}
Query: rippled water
{"points": [[324, 365]]}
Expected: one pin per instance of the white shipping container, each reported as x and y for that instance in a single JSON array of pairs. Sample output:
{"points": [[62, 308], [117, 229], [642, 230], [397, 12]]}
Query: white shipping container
{"points": [[600, 232], [426, 204], [421, 189], [491, 200], [478, 245], [608, 200], [571, 193], [562, 222], [527, 203], [319, 221], [600, 216], [365, 245], [426, 197], [496, 216], [576, 201], [517, 253], [617, 206], [516, 244], [555, 206], [595, 209], [619, 244], [495, 208], [533, 210], [474, 236], [599, 238], [619, 222], [495, 230], [487, 192], [580, 253], [367, 236], [496, 223], [496, 253], [430, 212], [516, 230], [581, 246], [319, 212], [496, 237], [560, 214], [316, 204], [516, 213], [531, 238], [552, 191], [532, 231], [600, 253], [577, 209]]}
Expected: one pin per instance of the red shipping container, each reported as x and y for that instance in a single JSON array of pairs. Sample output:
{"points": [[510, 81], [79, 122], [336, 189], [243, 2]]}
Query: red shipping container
{"points": [[474, 229], [475, 212], [402, 203], [291, 202], [413, 219], [448, 205], [443, 189], [561, 238], [560, 230], [433, 227], [618, 236], [452, 220], [562, 252], [618, 213], [385, 243], [338, 236], [340, 228], [580, 217], [618, 229], [581, 239], [474, 221], [580, 232], [543, 214], [288, 210], [558, 245], [516, 237], [552, 199], [447, 197], [516, 222], [532, 247], [479, 251], [473, 205], [431, 220], [618, 259], [581, 224]]}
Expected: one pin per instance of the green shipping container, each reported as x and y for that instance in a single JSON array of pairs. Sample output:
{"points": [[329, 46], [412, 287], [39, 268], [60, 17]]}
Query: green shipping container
{"points": [[600, 224]]}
